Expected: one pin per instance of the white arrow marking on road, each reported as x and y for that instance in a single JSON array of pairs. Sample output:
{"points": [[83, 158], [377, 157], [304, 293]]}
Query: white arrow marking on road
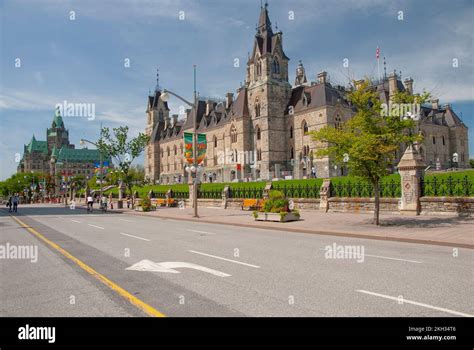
{"points": [[170, 266]]}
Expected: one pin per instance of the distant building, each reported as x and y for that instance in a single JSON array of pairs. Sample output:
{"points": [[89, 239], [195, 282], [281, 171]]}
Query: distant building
{"points": [[263, 132], [57, 156]]}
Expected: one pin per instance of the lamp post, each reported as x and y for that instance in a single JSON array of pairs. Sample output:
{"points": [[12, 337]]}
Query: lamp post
{"points": [[83, 142], [194, 167]]}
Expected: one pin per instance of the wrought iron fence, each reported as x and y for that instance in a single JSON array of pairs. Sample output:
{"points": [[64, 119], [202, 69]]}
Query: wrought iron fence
{"points": [[391, 189], [447, 187], [299, 191], [210, 193], [245, 192], [180, 194]]}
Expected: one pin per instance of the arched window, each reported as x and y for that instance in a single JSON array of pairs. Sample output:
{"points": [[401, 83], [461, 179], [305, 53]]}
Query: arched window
{"points": [[168, 151], [338, 122], [291, 132], [215, 141], [292, 155], [259, 154], [259, 134], [233, 134], [304, 126], [175, 149], [275, 66], [259, 67]]}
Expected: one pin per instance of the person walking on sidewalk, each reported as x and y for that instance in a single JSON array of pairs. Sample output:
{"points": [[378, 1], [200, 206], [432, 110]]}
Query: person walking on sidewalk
{"points": [[10, 203], [15, 200], [90, 203]]}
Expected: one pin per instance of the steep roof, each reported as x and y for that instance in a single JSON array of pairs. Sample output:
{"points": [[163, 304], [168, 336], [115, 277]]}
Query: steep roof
{"points": [[37, 146], [306, 97], [79, 155]]}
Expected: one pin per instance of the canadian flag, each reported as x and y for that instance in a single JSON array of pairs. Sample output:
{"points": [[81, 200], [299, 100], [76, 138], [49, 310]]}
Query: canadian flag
{"points": [[377, 53]]}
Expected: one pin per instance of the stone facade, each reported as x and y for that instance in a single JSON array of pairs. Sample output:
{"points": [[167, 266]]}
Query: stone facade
{"points": [[264, 132]]}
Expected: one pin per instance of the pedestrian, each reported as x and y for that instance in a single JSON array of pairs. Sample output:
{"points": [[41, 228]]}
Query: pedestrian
{"points": [[15, 200], [90, 203], [10, 203], [128, 202]]}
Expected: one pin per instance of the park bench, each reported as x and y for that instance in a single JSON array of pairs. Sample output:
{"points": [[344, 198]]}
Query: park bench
{"points": [[253, 204], [161, 202]]}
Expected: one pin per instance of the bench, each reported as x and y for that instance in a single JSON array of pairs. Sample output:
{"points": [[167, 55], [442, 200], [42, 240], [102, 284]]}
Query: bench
{"points": [[162, 202], [253, 204]]}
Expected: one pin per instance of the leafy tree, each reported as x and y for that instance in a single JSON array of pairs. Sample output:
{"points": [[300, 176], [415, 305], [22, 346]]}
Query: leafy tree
{"points": [[368, 141], [122, 150], [471, 162]]}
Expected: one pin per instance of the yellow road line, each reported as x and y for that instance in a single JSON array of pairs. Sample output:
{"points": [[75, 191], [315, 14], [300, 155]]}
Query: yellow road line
{"points": [[116, 288]]}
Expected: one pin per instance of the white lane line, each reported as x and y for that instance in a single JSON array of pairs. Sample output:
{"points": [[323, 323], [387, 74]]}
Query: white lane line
{"points": [[96, 226], [387, 257], [79, 222], [126, 220], [416, 303], [126, 234], [207, 233], [218, 257]]}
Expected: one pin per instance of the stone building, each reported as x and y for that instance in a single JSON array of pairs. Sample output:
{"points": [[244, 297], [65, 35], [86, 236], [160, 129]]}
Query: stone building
{"points": [[263, 131], [57, 156]]}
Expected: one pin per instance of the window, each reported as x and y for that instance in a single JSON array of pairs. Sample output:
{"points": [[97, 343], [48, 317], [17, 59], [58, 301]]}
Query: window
{"points": [[275, 66], [292, 154], [215, 141], [304, 127], [168, 151], [175, 151], [162, 153], [434, 140], [444, 144], [233, 134], [291, 132], [259, 134], [160, 115], [338, 122], [259, 154], [259, 67]]}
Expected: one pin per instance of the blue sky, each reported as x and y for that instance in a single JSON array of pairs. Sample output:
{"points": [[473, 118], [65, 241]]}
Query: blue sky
{"points": [[82, 60]]}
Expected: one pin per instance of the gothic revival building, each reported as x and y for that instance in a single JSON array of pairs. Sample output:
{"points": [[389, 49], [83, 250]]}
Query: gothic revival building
{"points": [[263, 132], [56, 155]]}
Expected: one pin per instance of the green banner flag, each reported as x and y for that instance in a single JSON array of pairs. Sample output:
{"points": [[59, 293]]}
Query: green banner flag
{"points": [[188, 147]]}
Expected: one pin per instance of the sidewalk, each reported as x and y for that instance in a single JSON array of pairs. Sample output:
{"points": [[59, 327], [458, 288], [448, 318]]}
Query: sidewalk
{"points": [[438, 230]]}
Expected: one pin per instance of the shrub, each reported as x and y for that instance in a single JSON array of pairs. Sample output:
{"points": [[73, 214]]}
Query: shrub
{"points": [[255, 214], [146, 204], [274, 195]]}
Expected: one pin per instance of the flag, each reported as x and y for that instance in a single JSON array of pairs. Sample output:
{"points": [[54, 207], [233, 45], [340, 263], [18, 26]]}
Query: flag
{"points": [[377, 53]]}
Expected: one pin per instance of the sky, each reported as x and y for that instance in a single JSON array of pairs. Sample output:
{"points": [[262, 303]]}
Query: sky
{"points": [[105, 54]]}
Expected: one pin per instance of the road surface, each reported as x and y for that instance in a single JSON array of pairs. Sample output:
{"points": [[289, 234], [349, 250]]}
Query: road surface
{"points": [[125, 265]]}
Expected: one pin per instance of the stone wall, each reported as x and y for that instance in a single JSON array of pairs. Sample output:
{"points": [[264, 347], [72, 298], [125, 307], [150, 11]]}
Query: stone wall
{"points": [[447, 205], [363, 205]]}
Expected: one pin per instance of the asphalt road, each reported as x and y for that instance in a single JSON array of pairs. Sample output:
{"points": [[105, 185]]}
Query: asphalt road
{"points": [[237, 271]]}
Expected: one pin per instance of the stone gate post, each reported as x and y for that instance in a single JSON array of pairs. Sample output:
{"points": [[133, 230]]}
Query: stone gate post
{"points": [[411, 171]]}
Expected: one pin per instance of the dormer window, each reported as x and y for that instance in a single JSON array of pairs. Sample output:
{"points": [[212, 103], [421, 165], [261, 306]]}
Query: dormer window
{"points": [[306, 99]]}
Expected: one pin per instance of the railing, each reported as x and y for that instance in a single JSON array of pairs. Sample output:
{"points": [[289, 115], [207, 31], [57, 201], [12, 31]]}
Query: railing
{"points": [[390, 189], [299, 191], [210, 194], [180, 194], [447, 187], [245, 192]]}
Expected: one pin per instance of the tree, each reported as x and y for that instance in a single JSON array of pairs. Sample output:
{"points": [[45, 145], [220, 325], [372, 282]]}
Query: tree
{"points": [[122, 150], [471, 162], [369, 141]]}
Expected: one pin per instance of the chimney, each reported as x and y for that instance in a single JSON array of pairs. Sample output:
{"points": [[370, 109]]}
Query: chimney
{"points": [[435, 104], [409, 85], [175, 119], [322, 77], [392, 83], [229, 97], [209, 106]]}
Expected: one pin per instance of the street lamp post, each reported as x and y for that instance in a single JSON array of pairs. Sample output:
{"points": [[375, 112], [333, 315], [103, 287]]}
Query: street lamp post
{"points": [[194, 168], [82, 142]]}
